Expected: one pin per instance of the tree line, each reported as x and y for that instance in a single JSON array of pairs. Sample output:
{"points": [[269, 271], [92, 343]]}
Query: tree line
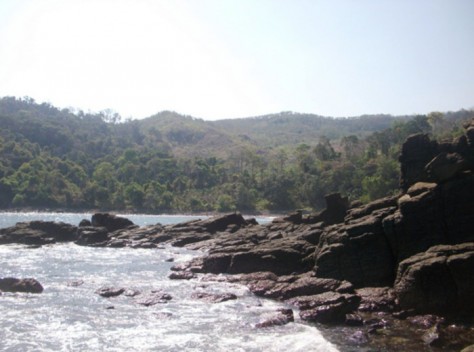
{"points": [[66, 159]]}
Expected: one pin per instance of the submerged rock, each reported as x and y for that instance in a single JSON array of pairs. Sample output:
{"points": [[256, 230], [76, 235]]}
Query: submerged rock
{"points": [[110, 291], [213, 297], [282, 316]]}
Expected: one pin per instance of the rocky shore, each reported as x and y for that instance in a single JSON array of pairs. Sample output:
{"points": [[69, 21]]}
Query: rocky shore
{"points": [[402, 262]]}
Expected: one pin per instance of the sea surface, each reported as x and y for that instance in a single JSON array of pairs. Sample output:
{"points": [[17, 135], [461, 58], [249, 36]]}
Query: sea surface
{"points": [[70, 316]]}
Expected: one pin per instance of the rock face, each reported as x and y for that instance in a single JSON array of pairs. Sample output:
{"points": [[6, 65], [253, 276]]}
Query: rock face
{"points": [[440, 280], [30, 285]]}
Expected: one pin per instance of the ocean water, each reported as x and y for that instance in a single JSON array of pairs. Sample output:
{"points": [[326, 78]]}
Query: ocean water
{"points": [[70, 316], [11, 218]]}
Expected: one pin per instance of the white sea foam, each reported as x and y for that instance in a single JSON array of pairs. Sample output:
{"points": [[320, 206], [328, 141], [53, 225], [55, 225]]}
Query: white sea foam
{"points": [[69, 318]]}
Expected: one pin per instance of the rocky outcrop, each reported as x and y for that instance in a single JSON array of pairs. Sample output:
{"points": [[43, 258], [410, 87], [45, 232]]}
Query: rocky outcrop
{"points": [[440, 280], [38, 233], [110, 221], [29, 285]]}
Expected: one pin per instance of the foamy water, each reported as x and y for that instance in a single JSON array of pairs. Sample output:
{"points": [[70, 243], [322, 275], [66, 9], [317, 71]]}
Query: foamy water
{"points": [[66, 317]]}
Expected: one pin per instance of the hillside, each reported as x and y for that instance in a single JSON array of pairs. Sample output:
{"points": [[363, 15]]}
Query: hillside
{"points": [[52, 158]]}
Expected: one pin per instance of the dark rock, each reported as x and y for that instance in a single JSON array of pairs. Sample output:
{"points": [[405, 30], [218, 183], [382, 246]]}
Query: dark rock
{"points": [[326, 308], [154, 298], [296, 217], [29, 285], [38, 233], [358, 338], [425, 321], [110, 221], [354, 320], [417, 151], [282, 317], [377, 299], [92, 236], [445, 166], [336, 208], [307, 286], [85, 222], [181, 275], [110, 291], [213, 297], [439, 281], [221, 223]]}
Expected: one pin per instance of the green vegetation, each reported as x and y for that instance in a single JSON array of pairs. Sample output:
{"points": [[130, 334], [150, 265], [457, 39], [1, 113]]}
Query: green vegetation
{"points": [[60, 159]]}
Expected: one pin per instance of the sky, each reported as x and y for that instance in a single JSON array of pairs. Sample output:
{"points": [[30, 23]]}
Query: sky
{"points": [[219, 59]]}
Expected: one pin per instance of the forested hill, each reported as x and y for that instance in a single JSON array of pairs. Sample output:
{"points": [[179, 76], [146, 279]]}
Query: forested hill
{"points": [[52, 158]]}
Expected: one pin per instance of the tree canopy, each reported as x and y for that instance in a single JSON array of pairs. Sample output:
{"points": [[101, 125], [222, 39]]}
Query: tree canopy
{"points": [[64, 159]]}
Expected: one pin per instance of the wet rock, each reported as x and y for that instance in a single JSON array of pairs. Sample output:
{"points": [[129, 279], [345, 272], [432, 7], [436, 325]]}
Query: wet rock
{"points": [[181, 275], [307, 286], [354, 320], [377, 299], [110, 291], [154, 298], [326, 308], [213, 297], [358, 338], [131, 293], [92, 236], [29, 285], [75, 283], [283, 316]]}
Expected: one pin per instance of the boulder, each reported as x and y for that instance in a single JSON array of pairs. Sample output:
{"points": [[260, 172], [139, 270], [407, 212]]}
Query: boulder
{"points": [[110, 221], [153, 298], [439, 281], [213, 297], [38, 233], [92, 236], [110, 291], [417, 151], [326, 308], [29, 285], [445, 166]]}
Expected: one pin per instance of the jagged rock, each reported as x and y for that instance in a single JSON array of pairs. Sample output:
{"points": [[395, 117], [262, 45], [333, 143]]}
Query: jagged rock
{"points": [[307, 286], [283, 316], [29, 285], [153, 298], [110, 291], [326, 308], [213, 297], [441, 280], [377, 299], [417, 151], [181, 275], [110, 221], [445, 166]]}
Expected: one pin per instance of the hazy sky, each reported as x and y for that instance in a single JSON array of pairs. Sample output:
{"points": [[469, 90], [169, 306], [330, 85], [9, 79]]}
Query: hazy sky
{"points": [[219, 59]]}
